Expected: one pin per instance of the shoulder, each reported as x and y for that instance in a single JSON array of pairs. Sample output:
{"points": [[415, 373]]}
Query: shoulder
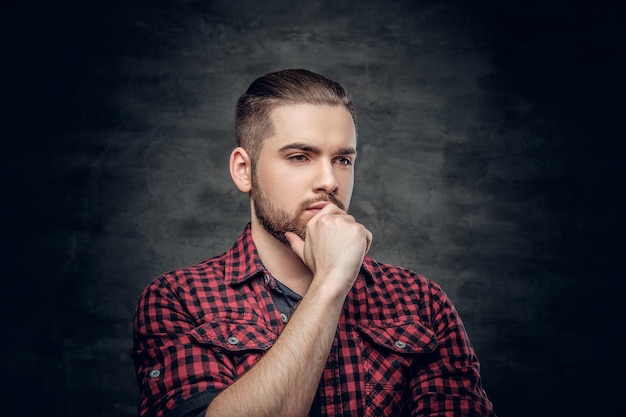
{"points": [[188, 293], [398, 276], [404, 286], [202, 272], [182, 283]]}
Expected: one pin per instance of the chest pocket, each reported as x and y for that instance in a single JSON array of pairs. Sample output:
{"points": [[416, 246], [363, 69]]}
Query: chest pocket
{"points": [[390, 349], [390, 354], [238, 342]]}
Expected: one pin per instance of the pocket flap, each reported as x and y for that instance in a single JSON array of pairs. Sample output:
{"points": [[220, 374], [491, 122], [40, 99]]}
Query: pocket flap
{"points": [[235, 334], [401, 336]]}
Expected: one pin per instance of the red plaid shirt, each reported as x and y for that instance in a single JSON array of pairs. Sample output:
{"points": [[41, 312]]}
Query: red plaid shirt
{"points": [[400, 348]]}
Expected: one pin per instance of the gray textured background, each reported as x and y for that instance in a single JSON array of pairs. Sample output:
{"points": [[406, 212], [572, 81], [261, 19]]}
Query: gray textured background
{"points": [[491, 161]]}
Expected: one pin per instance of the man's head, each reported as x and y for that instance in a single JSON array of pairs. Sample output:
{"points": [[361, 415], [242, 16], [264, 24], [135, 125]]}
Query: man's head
{"points": [[297, 147], [253, 116]]}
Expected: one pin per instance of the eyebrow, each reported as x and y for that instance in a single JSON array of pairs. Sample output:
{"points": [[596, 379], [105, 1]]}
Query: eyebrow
{"points": [[314, 149]]}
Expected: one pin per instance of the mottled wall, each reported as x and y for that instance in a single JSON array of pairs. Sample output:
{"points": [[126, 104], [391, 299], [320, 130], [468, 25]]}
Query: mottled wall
{"points": [[490, 161]]}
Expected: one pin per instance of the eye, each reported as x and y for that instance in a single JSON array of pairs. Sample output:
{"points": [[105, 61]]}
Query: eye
{"points": [[298, 158], [342, 160]]}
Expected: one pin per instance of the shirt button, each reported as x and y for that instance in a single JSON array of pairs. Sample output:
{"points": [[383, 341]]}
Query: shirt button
{"points": [[400, 344], [284, 317], [267, 278], [233, 340], [155, 373]]}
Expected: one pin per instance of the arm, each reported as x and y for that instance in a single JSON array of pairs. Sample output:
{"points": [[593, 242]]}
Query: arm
{"points": [[284, 381], [449, 383], [166, 356]]}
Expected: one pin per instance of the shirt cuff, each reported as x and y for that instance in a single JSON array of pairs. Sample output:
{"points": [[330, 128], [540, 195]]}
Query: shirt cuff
{"points": [[194, 406]]}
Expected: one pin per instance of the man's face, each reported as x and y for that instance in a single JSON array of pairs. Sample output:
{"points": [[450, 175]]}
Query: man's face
{"points": [[307, 162]]}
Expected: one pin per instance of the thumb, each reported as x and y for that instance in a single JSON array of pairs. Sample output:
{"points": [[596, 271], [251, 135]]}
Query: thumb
{"points": [[296, 243]]}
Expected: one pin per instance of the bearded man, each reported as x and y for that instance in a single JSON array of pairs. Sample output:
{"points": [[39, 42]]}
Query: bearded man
{"points": [[295, 319]]}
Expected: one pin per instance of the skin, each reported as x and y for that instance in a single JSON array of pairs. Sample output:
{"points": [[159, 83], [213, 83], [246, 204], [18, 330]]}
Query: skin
{"points": [[304, 174]]}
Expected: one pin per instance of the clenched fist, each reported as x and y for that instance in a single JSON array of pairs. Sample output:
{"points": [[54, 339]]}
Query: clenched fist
{"points": [[334, 248]]}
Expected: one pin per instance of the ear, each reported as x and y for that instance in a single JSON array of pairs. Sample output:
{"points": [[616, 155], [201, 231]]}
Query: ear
{"points": [[241, 169]]}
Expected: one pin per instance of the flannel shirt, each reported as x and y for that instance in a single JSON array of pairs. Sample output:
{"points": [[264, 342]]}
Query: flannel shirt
{"points": [[400, 348]]}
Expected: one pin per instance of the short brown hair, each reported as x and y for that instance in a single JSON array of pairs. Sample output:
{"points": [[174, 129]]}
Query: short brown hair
{"points": [[292, 86]]}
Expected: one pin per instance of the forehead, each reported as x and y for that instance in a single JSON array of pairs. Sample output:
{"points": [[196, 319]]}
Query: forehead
{"points": [[319, 124]]}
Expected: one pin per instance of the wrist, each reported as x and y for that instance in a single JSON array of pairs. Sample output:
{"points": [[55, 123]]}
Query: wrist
{"points": [[330, 288]]}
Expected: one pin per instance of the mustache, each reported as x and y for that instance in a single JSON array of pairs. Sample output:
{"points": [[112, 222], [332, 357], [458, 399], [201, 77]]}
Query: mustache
{"points": [[326, 198]]}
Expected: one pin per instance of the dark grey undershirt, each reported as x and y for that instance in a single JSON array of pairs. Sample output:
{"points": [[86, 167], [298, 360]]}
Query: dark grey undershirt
{"points": [[286, 300]]}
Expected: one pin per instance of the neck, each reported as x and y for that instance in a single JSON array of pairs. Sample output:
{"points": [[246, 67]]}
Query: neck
{"points": [[280, 260]]}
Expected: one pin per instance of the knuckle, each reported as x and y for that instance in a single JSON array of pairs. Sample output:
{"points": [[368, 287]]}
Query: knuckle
{"points": [[324, 219]]}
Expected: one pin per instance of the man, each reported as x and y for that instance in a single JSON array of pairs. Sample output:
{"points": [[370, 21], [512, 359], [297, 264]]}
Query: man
{"points": [[295, 319]]}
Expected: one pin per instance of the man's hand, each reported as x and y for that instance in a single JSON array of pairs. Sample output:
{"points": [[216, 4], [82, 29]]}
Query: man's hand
{"points": [[334, 248]]}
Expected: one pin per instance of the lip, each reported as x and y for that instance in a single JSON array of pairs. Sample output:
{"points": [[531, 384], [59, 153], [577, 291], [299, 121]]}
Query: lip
{"points": [[318, 206]]}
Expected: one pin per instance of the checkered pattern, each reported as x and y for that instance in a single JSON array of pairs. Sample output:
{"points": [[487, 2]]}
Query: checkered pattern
{"points": [[400, 350]]}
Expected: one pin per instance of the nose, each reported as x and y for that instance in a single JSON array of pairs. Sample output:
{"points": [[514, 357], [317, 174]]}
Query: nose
{"points": [[326, 181]]}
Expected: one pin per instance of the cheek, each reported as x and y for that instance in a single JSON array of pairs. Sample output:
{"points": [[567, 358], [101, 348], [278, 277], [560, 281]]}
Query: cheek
{"points": [[282, 186], [347, 200], [289, 185], [271, 177], [347, 191]]}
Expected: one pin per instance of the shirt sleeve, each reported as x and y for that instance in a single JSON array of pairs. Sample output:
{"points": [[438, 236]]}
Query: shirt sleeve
{"points": [[177, 375], [449, 383]]}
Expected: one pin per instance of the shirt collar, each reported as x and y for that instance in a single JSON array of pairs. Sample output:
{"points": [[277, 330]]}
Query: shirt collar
{"points": [[243, 262]]}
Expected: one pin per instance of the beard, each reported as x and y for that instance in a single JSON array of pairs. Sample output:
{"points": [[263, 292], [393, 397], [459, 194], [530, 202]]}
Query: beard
{"points": [[277, 221]]}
